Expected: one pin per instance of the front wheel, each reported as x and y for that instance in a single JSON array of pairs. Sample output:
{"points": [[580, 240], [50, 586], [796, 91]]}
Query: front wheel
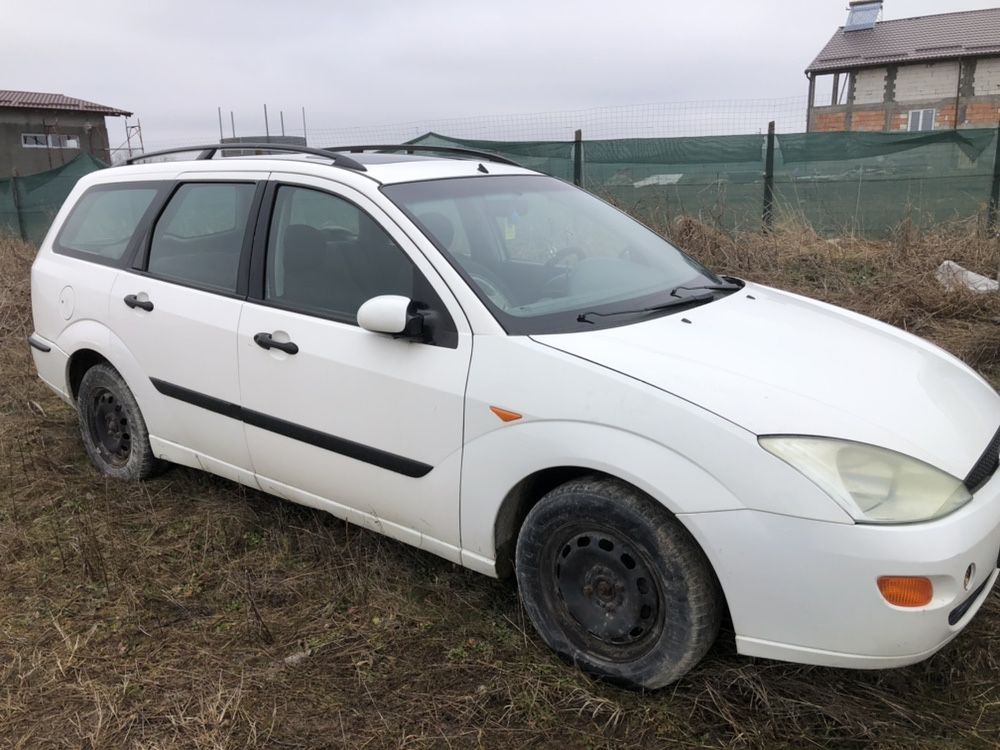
{"points": [[614, 584], [111, 425]]}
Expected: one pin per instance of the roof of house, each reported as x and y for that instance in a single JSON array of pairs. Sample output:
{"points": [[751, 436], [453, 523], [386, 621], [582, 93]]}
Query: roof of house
{"points": [[924, 38], [38, 100]]}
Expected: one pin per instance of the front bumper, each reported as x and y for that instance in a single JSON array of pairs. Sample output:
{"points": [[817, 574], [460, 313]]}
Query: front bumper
{"points": [[806, 591]]}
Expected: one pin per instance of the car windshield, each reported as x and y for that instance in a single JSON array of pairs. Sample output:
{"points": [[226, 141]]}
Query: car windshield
{"points": [[547, 257]]}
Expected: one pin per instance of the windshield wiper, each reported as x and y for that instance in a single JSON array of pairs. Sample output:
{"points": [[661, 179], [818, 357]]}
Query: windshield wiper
{"points": [[713, 287], [679, 302]]}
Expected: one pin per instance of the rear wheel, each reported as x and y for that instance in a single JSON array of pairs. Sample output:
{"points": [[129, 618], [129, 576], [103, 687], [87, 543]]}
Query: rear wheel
{"points": [[111, 425], [614, 584]]}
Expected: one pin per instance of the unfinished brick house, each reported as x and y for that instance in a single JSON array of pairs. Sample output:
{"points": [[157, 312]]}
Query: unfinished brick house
{"points": [[40, 131], [925, 73]]}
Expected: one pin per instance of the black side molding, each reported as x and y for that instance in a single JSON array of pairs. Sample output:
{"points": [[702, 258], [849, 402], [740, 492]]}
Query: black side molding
{"points": [[210, 403], [358, 451], [343, 446], [37, 343]]}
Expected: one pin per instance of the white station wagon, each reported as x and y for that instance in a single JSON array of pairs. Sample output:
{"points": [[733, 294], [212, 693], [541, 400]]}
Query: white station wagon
{"points": [[499, 368]]}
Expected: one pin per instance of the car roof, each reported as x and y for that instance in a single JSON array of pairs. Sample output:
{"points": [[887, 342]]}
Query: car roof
{"points": [[384, 168]]}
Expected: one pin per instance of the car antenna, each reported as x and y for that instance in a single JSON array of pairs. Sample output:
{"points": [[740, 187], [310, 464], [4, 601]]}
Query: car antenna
{"points": [[483, 169]]}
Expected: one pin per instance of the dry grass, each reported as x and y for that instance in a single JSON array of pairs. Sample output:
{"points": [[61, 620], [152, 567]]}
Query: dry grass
{"points": [[189, 612], [893, 281]]}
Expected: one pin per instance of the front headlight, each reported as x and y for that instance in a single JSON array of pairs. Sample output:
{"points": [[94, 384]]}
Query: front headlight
{"points": [[874, 485]]}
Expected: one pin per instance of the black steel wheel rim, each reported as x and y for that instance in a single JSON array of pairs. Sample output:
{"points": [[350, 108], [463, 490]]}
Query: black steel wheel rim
{"points": [[110, 427], [605, 592]]}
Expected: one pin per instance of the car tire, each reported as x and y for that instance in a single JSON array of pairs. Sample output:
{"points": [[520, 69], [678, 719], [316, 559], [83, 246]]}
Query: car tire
{"points": [[615, 584], [111, 425]]}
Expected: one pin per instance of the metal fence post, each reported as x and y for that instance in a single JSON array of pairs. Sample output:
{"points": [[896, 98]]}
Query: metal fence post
{"points": [[578, 158], [17, 206], [995, 193], [768, 214]]}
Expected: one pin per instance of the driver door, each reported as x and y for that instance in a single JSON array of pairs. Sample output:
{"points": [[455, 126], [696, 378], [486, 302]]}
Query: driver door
{"points": [[361, 424]]}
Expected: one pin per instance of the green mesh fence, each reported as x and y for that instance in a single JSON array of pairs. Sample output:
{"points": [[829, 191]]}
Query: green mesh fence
{"points": [[8, 213], [716, 178], [863, 183], [551, 157], [28, 204], [868, 182]]}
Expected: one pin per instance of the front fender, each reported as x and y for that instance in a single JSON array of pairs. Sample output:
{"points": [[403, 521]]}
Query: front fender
{"points": [[498, 460]]}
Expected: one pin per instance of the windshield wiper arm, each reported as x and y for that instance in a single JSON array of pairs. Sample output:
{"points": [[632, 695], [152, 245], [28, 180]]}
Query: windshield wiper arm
{"points": [[679, 302], [713, 287]]}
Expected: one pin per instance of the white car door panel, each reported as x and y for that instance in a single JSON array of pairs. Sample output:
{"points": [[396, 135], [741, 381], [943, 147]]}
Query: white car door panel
{"points": [[186, 344], [365, 420], [178, 314]]}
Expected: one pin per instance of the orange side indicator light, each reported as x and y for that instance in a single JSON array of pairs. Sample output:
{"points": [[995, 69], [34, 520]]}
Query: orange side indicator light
{"points": [[504, 414], [906, 591]]}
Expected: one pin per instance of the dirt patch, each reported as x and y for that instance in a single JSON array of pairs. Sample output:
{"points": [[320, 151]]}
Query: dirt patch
{"points": [[190, 612]]}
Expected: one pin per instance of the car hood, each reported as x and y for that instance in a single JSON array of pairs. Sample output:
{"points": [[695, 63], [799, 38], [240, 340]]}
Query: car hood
{"points": [[777, 363]]}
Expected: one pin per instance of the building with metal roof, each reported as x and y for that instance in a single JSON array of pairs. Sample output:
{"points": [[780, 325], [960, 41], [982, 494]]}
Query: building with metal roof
{"points": [[924, 73], [40, 131]]}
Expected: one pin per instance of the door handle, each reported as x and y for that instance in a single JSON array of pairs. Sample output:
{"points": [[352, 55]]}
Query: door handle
{"points": [[143, 304], [266, 341]]}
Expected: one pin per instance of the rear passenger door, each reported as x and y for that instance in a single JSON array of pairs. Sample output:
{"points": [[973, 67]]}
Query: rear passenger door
{"points": [[364, 425], [177, 310]]}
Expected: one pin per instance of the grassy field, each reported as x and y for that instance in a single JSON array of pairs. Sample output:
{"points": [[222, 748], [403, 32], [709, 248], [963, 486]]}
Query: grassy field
{"points": [[192, 612]]}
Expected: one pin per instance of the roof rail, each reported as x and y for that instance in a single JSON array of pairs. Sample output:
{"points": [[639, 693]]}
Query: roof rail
{"points": [[207, 152], [413, 147]]}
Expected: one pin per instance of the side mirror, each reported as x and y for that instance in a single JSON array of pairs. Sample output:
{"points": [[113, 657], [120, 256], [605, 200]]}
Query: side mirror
{"points": [[392, 314]]}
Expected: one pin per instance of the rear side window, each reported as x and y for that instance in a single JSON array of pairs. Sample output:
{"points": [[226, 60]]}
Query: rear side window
{"points": [[199, 236], [103, 221]]}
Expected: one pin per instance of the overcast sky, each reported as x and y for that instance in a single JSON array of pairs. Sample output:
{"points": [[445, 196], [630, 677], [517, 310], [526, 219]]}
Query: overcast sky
{"points": [[378, 62]]}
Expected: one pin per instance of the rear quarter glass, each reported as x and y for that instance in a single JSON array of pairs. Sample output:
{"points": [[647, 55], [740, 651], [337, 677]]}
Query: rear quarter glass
{"points": [[101, 225]]}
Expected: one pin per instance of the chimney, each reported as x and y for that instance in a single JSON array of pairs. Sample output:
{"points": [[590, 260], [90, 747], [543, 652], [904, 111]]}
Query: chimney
{"points": [[862, 15]]}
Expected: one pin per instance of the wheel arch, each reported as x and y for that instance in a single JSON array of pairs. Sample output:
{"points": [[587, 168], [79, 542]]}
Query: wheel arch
{"points": [[506, 471], [530, 490], [77, 365], [519, 501], [88, 343]]}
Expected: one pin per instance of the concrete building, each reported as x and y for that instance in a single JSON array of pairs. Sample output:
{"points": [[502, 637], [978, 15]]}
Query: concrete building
{"points": [[925, 73], [41, 131]]}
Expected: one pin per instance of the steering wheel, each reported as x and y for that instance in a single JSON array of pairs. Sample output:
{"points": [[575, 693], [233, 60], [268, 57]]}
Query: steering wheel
{"points": [[562, 253], [336, 234], [494, 289]]}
